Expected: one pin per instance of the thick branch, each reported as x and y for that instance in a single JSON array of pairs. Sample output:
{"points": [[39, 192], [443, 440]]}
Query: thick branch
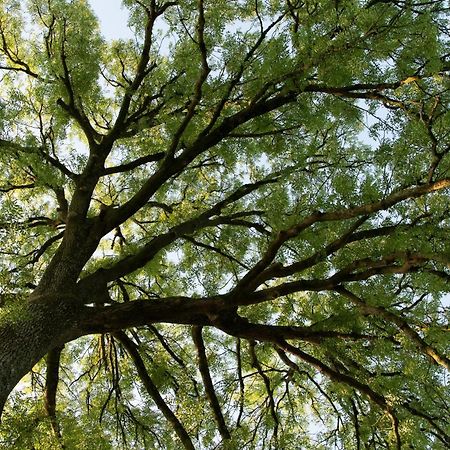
{"points": [[182, 310], [208, 383], [148, 251], [51, 386], [253, 277]]}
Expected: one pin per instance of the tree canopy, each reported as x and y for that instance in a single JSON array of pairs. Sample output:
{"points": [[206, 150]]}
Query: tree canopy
{"points": [[231, 231]]}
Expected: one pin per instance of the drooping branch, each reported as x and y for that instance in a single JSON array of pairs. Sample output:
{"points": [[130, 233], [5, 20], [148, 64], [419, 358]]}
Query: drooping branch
{"points": [[257, 365], [51, 386], [152, 389], [208, 383], [241, 381], [166, 346], [334, 375], [442, 434], [293, 366], [356, 423]]}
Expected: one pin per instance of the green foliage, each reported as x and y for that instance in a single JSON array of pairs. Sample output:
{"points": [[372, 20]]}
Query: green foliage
{"points": [[249, 155]]}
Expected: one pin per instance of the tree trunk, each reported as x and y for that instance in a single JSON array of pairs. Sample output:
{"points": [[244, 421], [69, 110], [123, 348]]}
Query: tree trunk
{"points": [[29, 331]]}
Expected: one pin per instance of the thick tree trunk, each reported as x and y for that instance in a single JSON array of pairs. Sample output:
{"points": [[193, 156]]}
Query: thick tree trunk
{"points": [[29, 331], [50, 317]]}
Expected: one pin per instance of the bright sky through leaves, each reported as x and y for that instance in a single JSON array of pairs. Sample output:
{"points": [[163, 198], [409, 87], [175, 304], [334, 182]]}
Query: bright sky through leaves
{"points": [[112, 17], [311, 265]]}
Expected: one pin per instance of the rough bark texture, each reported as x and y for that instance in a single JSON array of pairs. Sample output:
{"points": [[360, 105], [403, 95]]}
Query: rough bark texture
{"points": [[28, 332], [51, 388]]}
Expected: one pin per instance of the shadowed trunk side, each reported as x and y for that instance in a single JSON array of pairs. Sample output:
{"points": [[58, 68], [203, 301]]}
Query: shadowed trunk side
{"points": [[29, 331]]}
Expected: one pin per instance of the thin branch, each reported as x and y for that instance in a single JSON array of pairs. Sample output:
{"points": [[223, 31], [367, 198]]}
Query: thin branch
{"points": [[204, 72], [44, 247], [241, 381], [442, 435], [14, 58], [170, 167], [166, 346], [356, 423], [401, 323], [349, 381], [148, 251], [215, 250], [74, 110], [238, 75], [143, 68], [134, 164], [317, 257], [40, 151], [153, 391], [12, 187], [257, 365]]}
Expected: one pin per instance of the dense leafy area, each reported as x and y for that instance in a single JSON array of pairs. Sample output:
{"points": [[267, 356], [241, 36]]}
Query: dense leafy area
{"points": [[249, 203]]}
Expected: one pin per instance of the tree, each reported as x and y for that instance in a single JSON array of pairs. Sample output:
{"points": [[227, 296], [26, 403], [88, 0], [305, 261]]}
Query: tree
{"points": [[229, 232]]}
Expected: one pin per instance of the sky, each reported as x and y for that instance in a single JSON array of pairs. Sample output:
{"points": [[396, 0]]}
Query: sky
{"points": [[113, 18]]}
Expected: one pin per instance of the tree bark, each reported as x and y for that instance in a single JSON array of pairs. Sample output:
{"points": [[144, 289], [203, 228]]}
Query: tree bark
{"points": [[29, 331]]}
